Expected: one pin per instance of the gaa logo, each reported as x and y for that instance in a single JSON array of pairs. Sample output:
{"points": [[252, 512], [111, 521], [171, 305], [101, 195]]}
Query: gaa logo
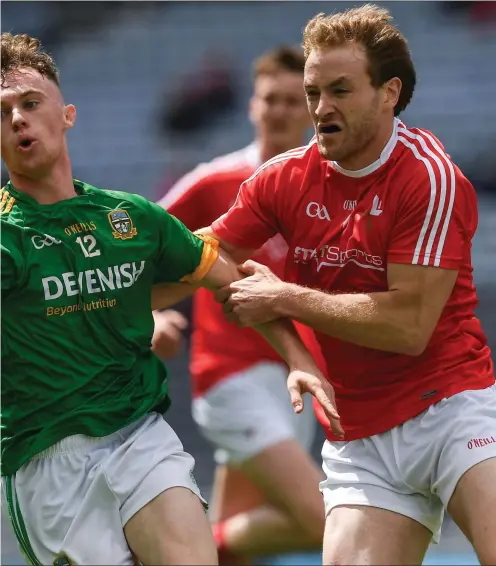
{"points": [[45, 240], [316, 210]]}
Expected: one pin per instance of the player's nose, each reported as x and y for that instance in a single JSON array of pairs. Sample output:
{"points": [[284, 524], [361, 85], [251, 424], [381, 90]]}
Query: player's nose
{"points": [[18, 119], [325, 107]]}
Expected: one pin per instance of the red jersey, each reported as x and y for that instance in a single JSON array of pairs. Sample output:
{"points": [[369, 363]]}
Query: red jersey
{"points": [[218, 347], [414, 206]]}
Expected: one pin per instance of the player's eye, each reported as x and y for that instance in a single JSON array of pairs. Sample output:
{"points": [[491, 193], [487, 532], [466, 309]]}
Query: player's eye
{"points": [[270, 100], [312, 94], [292, 102], [341, 91], [30, 104]]}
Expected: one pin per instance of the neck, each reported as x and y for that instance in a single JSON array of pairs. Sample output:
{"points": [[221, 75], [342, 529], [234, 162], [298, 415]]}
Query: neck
{"points": [[372, 151], [268, 151], [54, 186]]}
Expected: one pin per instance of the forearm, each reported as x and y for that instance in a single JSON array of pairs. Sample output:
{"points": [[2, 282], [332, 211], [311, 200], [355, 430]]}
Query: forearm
{"points": [[282, 336], [168, 294], [382, 321]]}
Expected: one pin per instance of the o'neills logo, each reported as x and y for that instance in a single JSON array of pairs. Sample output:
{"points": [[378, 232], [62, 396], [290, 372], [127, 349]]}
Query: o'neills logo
{"points": [[480, 442]]}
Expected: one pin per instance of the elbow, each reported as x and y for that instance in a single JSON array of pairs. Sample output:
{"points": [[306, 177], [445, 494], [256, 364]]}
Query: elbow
{"points": [[413, 329], [414, 342], [414, 349]]}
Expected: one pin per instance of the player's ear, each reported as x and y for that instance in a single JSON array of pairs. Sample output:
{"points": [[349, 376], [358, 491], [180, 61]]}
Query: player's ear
{"points": [[69, 115], [392, 90]]}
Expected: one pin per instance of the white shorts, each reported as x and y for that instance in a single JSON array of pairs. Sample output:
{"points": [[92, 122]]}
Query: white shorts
{"points": [[251, 411], [414, 468], [75, 498]]}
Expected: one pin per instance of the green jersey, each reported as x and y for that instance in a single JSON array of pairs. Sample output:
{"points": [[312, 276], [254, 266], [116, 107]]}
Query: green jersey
{"points": [[76, 313]]}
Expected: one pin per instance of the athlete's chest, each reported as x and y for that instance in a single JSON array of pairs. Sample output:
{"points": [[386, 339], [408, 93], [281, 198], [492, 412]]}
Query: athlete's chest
{"points": [[338, 234], [88, 253]]}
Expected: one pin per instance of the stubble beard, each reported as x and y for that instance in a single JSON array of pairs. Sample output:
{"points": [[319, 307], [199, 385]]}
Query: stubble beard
{"points": [[357, 137]]}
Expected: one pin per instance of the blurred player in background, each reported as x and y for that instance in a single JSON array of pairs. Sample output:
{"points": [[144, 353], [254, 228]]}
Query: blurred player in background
{"points": [[379, 223], [265, 496], [93, 474]]}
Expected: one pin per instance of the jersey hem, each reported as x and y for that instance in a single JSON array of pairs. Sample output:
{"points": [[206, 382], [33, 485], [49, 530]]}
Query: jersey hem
{"points": [[367, 432], [203, 382], [60, 433]]}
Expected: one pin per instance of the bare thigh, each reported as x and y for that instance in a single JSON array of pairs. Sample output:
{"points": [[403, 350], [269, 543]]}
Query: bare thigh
{"points": [[233, 493], [356, 535], [172, 529], [473, 508], [289, 478]]}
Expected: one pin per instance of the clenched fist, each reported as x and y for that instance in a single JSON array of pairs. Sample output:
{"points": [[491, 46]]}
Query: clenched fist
{"points": [[167, 338]]}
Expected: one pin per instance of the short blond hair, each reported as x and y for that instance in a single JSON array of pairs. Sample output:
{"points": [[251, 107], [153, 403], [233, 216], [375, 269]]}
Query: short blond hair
{"points": [[370, 26], [283, 58], [22, 51]]}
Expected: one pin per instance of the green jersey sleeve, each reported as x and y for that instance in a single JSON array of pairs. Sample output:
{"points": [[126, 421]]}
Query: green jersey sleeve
{"points": [[181, 255]]}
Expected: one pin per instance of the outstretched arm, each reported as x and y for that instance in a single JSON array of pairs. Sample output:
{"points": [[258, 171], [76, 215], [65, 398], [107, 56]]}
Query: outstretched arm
{"points": [[281, 334], [399, 320]]}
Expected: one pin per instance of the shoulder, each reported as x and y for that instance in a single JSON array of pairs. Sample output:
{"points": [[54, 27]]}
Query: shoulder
{"points": [[427, 170], [425, 158], [117, 199], [11, 241], [233, 167], [289, 166], [431, 183], [9, 212]]}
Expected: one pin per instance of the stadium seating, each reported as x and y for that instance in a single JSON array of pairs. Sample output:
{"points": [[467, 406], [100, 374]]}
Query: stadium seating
{"points": [[140, 58]]}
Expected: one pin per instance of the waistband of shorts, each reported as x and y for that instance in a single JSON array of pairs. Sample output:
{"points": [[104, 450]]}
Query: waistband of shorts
{"points": [[79, 442]]}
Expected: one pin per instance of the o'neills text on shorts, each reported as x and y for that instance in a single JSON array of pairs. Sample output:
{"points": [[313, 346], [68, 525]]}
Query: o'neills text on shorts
{"points": [[480, 442]]}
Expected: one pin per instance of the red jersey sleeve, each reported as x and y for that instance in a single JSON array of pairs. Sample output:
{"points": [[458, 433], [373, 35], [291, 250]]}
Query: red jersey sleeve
{"points": [[435, 217], [252, 220], [187, 200]]}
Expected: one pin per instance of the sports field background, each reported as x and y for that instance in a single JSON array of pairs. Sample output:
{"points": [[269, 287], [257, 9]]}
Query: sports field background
{"points": [[161, 86]]}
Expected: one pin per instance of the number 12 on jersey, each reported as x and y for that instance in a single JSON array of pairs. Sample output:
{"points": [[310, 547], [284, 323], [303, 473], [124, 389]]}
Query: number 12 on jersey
{"points": [[88, 244]]}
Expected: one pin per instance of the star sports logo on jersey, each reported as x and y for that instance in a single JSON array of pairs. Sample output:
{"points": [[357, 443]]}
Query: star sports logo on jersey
{"points": [[333, 256]]}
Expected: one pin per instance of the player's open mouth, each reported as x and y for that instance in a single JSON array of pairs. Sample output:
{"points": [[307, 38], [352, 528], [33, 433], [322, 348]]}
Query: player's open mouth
{"points": [[329, 129], [26, 144]]}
